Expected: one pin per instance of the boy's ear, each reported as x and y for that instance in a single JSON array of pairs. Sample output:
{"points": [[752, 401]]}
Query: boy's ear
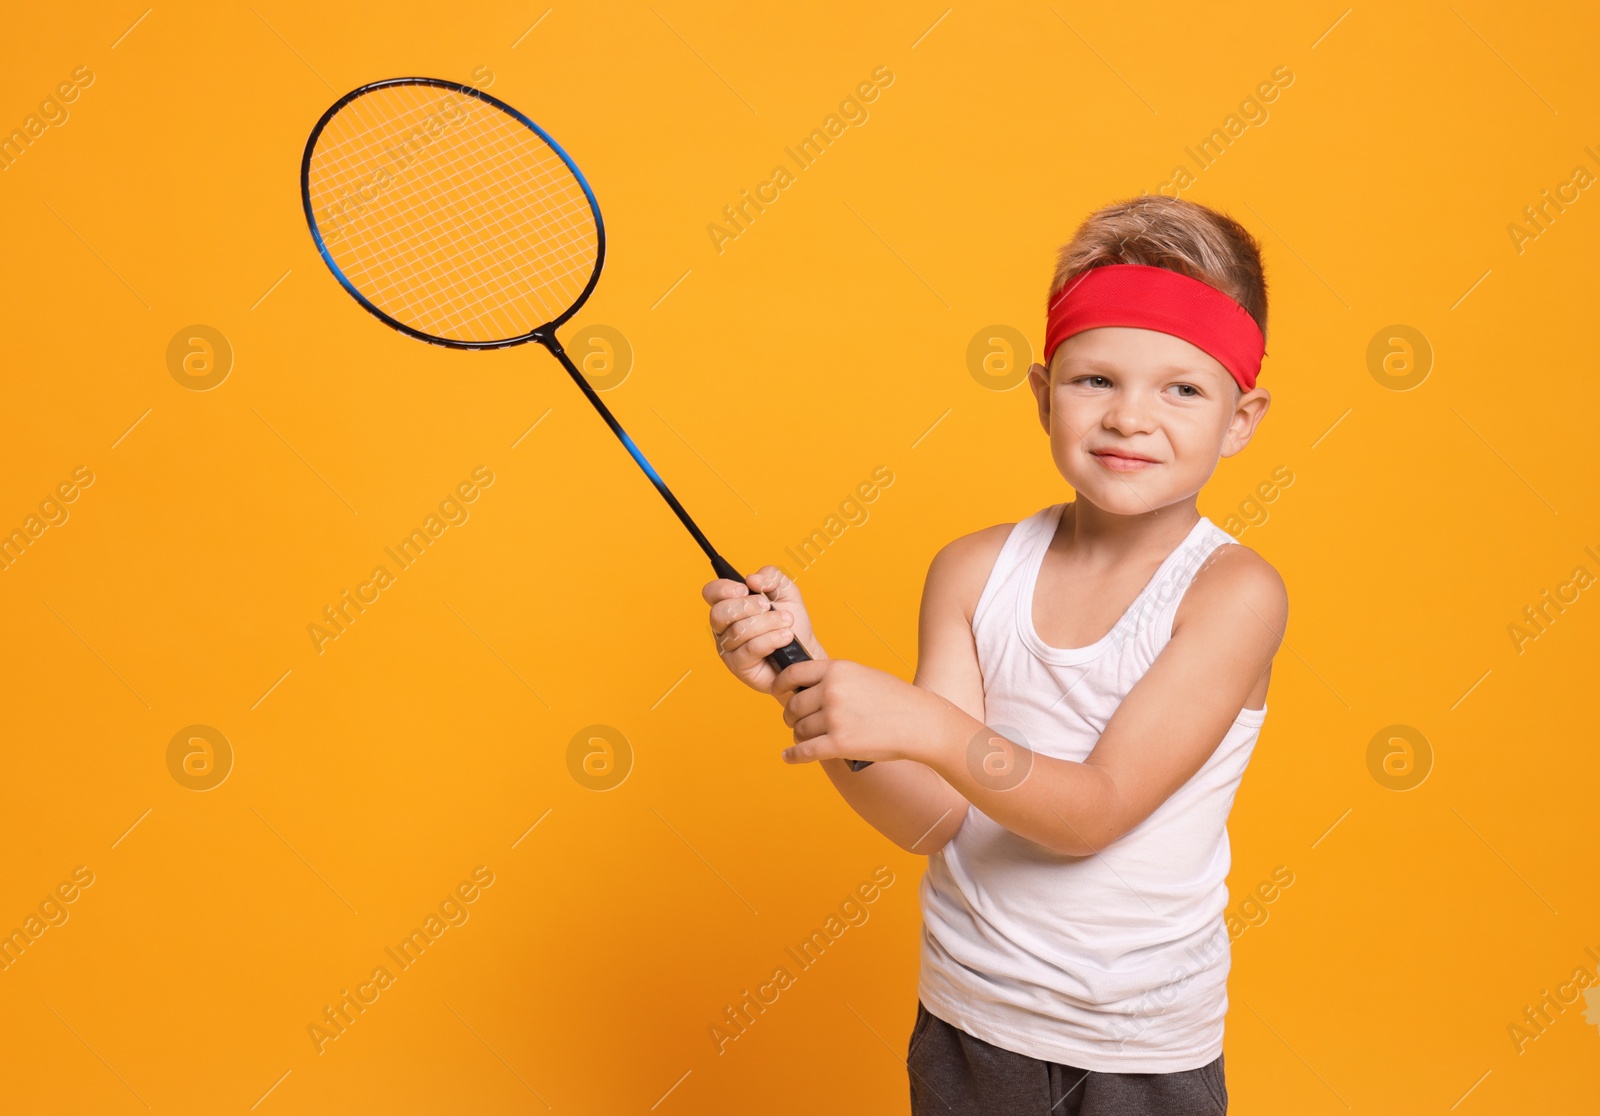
{"points": [[1251, 409], [1039, 381]]}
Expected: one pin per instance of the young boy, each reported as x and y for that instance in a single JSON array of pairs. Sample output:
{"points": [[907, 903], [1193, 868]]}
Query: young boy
{"points": [[1091, 683]]}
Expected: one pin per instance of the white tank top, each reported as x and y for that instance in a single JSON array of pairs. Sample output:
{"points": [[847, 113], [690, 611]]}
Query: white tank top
{"points": [[1113, 962]]}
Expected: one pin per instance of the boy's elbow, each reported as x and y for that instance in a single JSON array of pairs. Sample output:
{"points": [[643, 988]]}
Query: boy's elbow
{"points": [[1071, 843], [1101, 822], [936, 836], [1077, 844]]}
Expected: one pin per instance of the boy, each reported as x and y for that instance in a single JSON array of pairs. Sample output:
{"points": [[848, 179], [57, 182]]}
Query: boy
{"points": [[1074, 954]]}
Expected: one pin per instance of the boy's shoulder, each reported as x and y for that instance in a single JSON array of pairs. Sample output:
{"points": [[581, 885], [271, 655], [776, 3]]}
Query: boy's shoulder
{"points": [[962, 567], [977, 545], [1231, 575], [1239, 566]]}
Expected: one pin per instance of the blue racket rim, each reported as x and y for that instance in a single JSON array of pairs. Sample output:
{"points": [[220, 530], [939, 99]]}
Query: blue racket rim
{"points": [[541, 333]]}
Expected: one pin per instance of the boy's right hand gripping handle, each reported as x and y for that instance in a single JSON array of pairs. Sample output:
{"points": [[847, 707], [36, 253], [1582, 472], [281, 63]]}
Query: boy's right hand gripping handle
{"points": [[787, 657], [783, 656]]}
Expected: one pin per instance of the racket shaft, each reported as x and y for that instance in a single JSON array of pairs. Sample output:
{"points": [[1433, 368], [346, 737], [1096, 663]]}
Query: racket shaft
{"points": [[783, 656], [549, 341]]}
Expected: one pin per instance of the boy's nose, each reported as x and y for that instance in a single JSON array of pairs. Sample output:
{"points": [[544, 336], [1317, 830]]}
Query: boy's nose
{"points": [[1128, 414]]}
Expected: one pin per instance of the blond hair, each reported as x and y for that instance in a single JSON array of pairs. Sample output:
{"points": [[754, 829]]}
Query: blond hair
{"points": [[1181, 236]]}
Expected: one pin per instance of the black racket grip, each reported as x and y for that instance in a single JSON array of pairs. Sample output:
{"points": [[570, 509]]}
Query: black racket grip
{"points": [[784, 656]]}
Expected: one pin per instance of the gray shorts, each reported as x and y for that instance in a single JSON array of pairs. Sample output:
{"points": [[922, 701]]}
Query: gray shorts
{"points": [[954, 1072]]}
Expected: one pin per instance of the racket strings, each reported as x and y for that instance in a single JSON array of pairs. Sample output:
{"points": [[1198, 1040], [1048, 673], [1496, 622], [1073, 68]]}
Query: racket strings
{"points": [[466, 208], [450, 215], [450, 196], [475, 214]]}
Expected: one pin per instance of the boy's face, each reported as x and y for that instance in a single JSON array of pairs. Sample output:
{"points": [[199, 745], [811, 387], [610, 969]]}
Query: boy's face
{"points": [[1117, 390]]}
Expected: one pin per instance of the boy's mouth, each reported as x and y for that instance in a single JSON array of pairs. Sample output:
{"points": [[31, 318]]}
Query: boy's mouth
{"points": [[1120, 462]]}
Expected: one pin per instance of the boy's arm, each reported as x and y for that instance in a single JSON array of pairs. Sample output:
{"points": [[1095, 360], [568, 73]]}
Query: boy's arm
{"points": [[1165, 729], [1161, 734], [909, 802]]}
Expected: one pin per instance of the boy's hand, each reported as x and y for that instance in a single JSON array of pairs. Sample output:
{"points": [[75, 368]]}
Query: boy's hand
{"points": [[844, 710], [748, 629]]}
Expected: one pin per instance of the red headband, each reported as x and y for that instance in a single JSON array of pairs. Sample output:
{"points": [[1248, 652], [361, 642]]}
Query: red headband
{"points": [[1162, 300]]}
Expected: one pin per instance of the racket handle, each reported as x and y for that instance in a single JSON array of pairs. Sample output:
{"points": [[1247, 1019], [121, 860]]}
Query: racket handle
{"points": [[784, 656]]}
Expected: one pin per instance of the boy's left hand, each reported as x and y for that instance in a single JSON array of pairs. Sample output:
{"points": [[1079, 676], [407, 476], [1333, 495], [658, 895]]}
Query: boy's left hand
{"points": [[850, 711]]}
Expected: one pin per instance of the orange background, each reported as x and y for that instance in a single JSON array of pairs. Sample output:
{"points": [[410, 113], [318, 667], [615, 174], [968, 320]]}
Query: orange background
{"points": [[769, 380]]}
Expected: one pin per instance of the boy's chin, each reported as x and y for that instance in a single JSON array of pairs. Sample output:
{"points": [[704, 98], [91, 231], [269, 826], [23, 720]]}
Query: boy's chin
{"points": [[1126, 494]]}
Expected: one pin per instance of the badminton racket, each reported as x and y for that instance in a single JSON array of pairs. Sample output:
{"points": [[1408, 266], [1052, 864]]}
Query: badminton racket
{"points": [[456, 220]]}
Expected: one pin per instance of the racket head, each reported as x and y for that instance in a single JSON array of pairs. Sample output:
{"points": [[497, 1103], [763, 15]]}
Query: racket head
{"points": [[450, 215]]}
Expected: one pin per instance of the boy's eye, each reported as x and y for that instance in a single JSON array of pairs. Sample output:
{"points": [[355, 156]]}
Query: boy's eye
{"points": [[1185, 391]]}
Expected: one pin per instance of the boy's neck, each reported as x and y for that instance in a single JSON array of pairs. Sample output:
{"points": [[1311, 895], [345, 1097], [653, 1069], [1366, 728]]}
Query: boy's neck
{"points": [[1101, 537]]}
